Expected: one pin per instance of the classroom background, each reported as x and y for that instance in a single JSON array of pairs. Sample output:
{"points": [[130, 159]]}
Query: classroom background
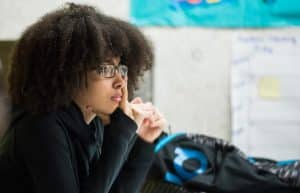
{"points": [[233, 80]]}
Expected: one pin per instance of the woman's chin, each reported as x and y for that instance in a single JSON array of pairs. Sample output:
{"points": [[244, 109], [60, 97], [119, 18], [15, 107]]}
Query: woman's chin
{"points": [[108, 110], [114, 108]]}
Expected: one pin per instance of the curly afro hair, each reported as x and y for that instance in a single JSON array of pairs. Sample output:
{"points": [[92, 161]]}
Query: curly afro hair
{"points": [[52, 57]]}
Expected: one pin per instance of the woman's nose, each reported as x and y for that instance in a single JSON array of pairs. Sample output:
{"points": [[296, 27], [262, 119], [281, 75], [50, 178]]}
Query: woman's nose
{"points": [[120, 81]]}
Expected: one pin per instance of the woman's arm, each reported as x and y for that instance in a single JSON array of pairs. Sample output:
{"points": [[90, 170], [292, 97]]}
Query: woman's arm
{"points": [[141, 154], [135, 169], [44, 149], [117, 136]]}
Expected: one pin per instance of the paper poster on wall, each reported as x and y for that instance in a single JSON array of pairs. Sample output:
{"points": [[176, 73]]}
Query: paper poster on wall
{"points": [[265, 94], [215, 13]]}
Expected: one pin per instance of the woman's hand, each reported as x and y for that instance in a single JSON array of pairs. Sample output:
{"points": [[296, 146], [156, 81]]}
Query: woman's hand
{"points": [[149, 120], [136, 111], [152, 125]]}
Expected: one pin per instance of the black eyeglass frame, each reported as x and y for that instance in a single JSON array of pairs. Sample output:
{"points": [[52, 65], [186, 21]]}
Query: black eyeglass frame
{"points": [[109, 70]]}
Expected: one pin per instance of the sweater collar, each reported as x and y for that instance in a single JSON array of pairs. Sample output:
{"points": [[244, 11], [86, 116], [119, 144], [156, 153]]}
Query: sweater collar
{"points": [[74, 120]]}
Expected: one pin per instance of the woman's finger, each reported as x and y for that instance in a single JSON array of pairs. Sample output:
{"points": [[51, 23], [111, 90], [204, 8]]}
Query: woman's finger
{"points": [[137, 100], [157, 114], [143, 107], [142, 111], [161, 123], [124, 100]]}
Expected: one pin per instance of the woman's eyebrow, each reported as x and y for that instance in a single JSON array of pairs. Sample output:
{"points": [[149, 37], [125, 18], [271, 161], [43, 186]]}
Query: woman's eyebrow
{"points": [[110, 62], [107, 61]]}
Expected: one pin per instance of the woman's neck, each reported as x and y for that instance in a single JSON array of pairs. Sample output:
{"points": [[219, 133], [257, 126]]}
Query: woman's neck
{"points": [[87, 112]]}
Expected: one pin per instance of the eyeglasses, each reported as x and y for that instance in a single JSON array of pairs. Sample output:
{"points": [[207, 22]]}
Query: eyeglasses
{"points": [[109, 71]]}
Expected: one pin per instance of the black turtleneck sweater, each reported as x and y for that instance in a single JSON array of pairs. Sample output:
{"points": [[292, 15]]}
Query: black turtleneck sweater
{"points": [[58, 152]]}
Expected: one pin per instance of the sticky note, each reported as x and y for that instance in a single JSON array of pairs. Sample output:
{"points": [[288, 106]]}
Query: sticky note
{"points": [[269, 87]]}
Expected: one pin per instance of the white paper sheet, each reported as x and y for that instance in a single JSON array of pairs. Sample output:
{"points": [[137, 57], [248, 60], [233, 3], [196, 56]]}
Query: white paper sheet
{"points": [[266, 94]]}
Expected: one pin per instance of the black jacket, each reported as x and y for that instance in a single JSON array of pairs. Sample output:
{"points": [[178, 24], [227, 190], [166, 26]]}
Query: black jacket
{"points": [[58, 152]]}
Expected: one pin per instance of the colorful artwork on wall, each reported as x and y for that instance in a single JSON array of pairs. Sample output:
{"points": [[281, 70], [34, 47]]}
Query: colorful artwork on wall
{"points": [[216, 13]]}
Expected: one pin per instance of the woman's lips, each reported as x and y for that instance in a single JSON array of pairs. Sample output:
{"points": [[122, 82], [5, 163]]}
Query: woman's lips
{"points": [[116, 98]]}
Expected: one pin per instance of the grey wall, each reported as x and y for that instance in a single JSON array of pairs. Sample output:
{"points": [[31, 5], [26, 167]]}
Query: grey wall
{"points": [[191, 78]]}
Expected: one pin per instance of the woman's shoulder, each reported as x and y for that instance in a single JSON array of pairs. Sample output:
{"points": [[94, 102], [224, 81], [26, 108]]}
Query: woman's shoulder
{"points": [[28, 131], [25, 119], [29, 125]]}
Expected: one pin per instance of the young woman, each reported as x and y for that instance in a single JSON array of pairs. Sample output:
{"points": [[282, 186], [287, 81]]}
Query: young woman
{"points": [[72, 129]]}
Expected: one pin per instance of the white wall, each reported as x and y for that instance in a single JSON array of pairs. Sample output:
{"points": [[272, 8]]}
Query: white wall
{"points": [[191, 74], [191, 79], [16, 15]]}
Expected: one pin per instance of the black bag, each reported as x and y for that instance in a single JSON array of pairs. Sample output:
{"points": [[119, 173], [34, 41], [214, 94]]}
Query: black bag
{"points": [[198, 163]]}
